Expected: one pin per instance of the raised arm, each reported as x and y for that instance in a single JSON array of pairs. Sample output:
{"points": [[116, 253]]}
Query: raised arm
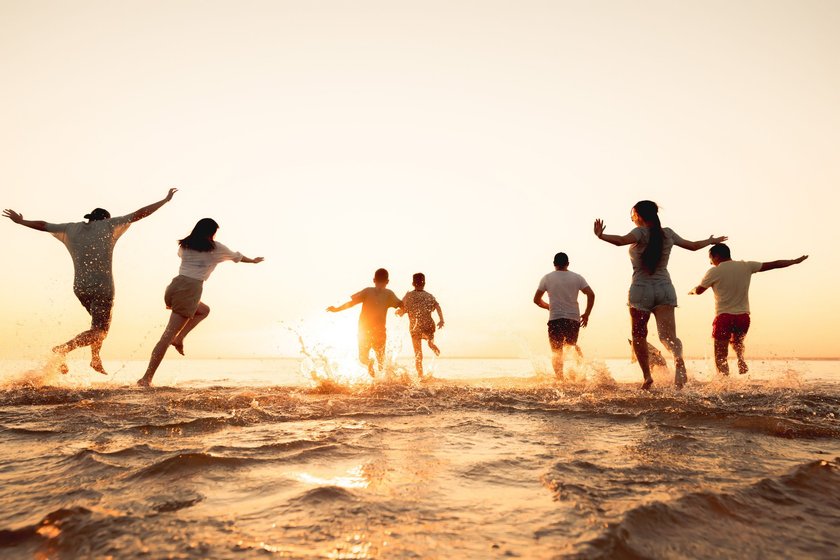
{"points": [[151, 208], [590, 302], [696, 245], [40, 225], [781, 264], [617, 240]]}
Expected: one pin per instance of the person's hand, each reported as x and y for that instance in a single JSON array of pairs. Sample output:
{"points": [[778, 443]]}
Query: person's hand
{"points": [[584, 320], [12, 215], [258, 260], [599, 228], [172, 191], [399, 312], [800, 259], [332, 309], [715, 240], [440, 324]]}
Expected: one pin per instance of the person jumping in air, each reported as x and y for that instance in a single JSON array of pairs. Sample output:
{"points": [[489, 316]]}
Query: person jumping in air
{"points": [[730, 281], [91, 246], [564, 317], [419, 305], [200, 254], [375, 303], [651, 290]]}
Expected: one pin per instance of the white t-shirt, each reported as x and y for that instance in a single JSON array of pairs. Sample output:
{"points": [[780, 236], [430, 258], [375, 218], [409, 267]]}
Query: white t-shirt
{"points": [[91, 246], [199, 264], [730, 281], [642, 235], [562, 287]]}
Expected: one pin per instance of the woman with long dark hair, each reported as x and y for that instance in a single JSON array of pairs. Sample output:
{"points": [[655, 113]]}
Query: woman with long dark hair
{"points": [[200, 254], [651, 290]]}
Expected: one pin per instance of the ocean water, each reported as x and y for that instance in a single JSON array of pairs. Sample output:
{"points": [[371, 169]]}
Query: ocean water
{"points": [[488, 459]]}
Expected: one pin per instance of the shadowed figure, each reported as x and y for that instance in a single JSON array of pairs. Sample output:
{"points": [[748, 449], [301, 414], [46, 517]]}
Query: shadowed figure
{"points": [[91, 246], [730, 281], [419, 304], [200, 254], [564, 318], [651, 290], [375, 304]]}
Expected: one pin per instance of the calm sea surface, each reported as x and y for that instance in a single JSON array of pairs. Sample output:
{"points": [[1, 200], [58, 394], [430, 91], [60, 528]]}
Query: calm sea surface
{"points": [[490, 459]]}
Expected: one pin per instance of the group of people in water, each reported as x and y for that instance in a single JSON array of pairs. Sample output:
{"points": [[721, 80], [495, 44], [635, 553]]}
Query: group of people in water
{"points": [[651, 292]]}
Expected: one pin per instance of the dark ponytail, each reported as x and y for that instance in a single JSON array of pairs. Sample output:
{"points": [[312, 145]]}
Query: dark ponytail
{"points": [[652, 255], [201, 237]]}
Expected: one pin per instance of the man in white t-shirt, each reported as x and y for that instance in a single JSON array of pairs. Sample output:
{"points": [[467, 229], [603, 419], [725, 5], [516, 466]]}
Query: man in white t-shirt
{"points": [[730, 281], [564, 318], [91, 246]]}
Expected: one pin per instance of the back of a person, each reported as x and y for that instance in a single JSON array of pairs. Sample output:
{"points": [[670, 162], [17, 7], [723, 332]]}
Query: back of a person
{"points": [[419, 306], [200, 264], [730, 281], [91, 246], [562, 287], [375, 304], [637, 249]]}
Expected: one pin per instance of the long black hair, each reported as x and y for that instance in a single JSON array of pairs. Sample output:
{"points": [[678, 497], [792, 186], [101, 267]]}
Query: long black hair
{"points": [[649, 212], [201, 237]]}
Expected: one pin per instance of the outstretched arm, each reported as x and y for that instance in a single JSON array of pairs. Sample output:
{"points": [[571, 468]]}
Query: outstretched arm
{"points": [[253, 261], [40, 225], [617, 240], [342, 307], [781, 264], [697, 290], [538, 299], [696, 245], [151, 208], [590, 302]]}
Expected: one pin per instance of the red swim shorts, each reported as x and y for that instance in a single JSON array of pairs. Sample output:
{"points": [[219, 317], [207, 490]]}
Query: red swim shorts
{"points": [[727, 326]]}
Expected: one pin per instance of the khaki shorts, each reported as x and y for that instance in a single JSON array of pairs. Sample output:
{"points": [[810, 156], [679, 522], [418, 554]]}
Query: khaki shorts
{"points": [[183, 295]]}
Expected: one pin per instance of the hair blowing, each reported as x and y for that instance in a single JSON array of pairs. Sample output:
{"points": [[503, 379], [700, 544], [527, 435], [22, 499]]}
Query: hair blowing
{"points": [[201, 237], [652, 255]]}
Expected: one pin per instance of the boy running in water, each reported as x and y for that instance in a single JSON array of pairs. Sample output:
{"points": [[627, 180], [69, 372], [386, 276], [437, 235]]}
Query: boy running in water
{"points": [[730, 281], [419, 305], [375, 303]]}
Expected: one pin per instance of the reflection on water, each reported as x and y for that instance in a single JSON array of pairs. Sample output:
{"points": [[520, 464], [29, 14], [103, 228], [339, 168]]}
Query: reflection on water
{"points": [[473, 468]]}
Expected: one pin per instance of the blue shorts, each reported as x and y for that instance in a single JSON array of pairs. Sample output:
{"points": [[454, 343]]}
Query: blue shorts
{"points": [[650, 294]]}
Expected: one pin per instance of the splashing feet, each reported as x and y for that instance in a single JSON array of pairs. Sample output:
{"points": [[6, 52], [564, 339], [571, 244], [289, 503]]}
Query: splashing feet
{"points": [[647, 384], [96, 365], [680, 376], [179, 346], [742, 367]]}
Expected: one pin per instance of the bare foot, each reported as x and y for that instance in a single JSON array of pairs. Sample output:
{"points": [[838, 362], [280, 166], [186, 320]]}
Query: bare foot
{"points": [[435, 349], [647, 384], [371, 372], [96, 365], [179, 346], [143, 382], [62, 368], [742, 367]]}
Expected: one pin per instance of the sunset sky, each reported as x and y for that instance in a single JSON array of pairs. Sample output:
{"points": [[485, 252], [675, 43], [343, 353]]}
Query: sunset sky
{"points": [[467, 140]]}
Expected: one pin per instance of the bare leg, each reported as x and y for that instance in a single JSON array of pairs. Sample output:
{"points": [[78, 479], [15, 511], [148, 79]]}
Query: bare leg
{"points": [[93, 337], [433, 346], [557, 363], [201, 313], [379, 350], [721, 355], [639, 320], [176, 323], [417, 342], [738, 346], [666, 324]]}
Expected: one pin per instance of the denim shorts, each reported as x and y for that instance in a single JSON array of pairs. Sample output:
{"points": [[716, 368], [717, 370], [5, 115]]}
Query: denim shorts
{"points": [[650, 294]]}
